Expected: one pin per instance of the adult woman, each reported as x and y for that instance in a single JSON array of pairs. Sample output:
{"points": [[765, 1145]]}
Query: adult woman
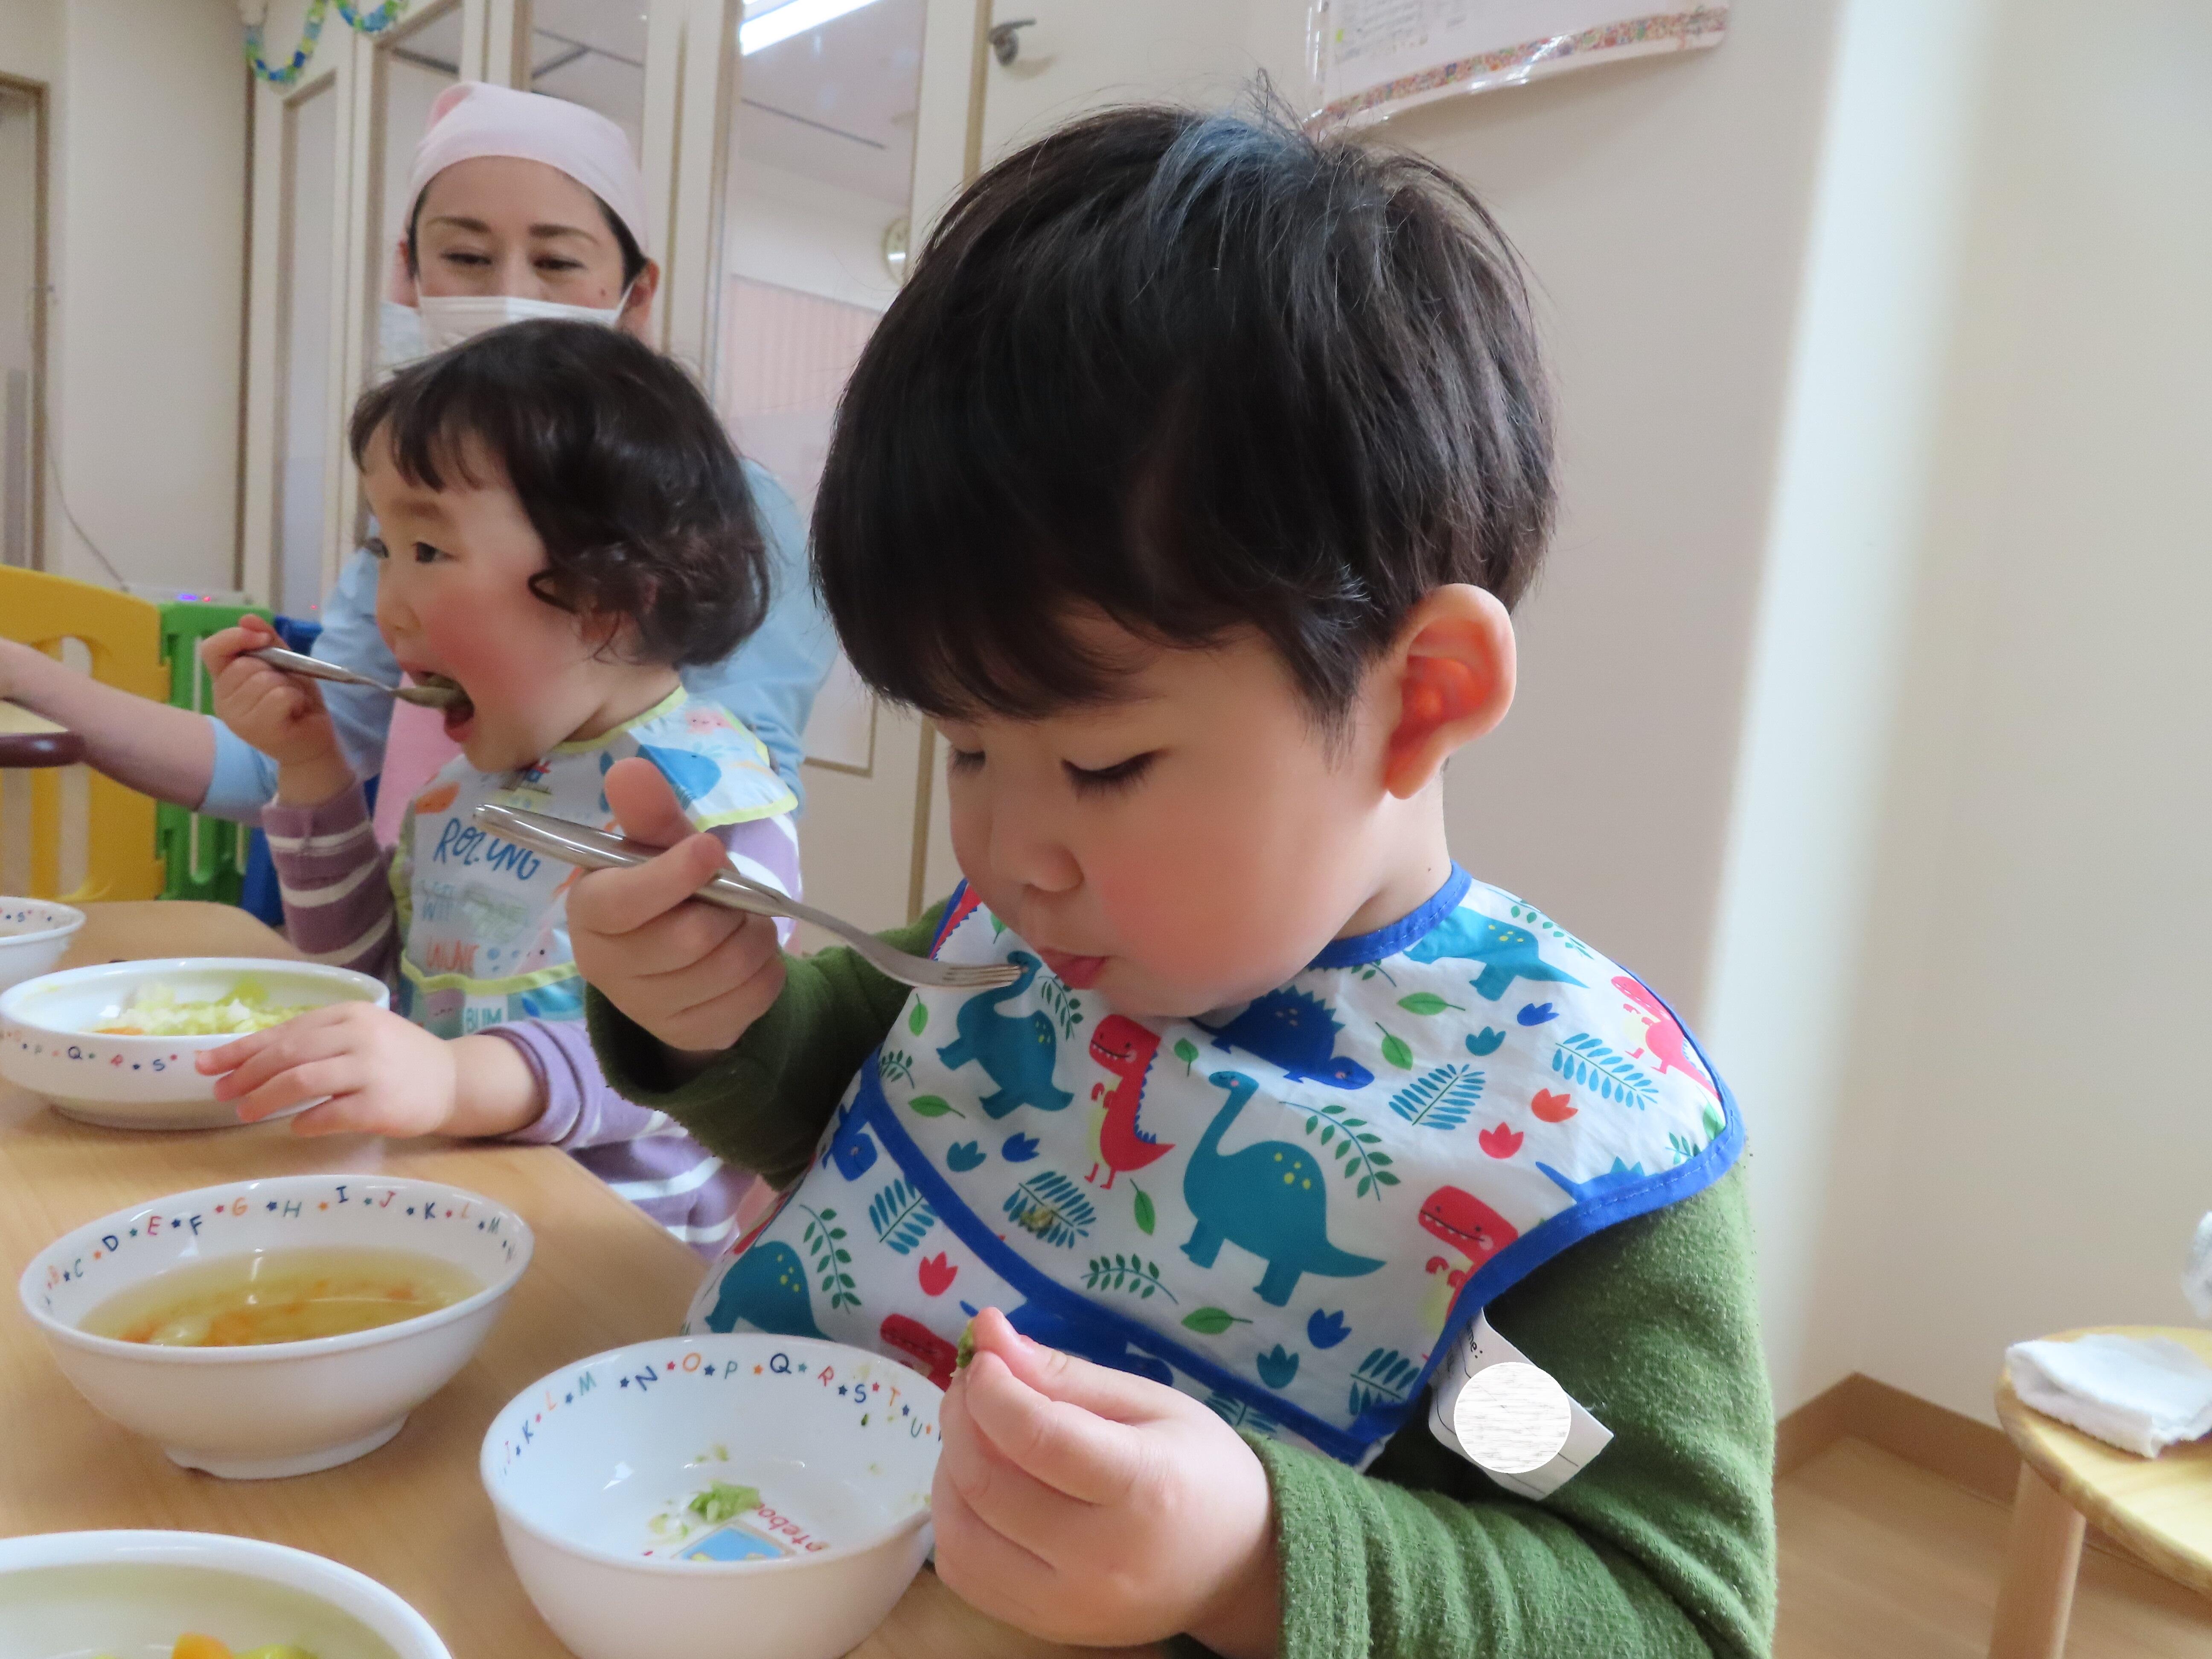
{"points": [[522, 206]]}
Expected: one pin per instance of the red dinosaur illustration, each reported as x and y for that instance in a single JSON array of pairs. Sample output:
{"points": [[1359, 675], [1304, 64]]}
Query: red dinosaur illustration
{"points": [[1663, 1040], [1125, 1049], [1469, 1226]]}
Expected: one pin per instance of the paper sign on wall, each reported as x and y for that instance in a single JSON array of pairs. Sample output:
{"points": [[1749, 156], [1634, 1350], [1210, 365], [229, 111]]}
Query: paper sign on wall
{"points": [[1376, 57]]}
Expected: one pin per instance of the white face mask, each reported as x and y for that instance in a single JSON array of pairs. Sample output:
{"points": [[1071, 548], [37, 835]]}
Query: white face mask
{"points": [[398, 334], [448, 320]]}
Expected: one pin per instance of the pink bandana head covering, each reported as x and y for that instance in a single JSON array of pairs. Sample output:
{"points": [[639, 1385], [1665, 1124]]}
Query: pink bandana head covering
{"points": [[477, 118]]}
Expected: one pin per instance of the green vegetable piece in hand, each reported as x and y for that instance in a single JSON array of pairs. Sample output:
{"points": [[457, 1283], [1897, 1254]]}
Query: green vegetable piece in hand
{"points": [[967, 1349]]}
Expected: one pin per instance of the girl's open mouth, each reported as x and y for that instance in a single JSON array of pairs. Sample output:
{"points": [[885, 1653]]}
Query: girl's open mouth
{"points": [[460, 712]]}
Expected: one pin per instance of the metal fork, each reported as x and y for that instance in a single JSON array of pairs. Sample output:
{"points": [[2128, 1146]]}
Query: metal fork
{"points": [[595, 849], [314, 668]]}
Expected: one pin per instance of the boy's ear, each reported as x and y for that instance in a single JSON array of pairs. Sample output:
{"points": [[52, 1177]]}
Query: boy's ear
{"points": [[1452, 666]]}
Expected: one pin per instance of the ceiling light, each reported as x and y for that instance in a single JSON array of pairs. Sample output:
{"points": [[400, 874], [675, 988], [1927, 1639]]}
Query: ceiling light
{"points": [[766, 25]]}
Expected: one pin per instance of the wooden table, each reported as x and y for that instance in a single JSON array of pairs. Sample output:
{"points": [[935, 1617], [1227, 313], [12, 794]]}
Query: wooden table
{"points": [[2158, 1508], [28, 739], [412, 1515]]}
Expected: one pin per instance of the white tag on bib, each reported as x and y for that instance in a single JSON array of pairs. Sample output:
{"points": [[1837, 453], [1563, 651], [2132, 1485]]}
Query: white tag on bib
{"points": [[1510, 1418]]}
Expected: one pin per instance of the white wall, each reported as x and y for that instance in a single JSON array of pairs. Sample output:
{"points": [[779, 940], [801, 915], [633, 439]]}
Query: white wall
{"points": [[1662, 207], [2024, 1067], [146, 227], [1879, 303]]}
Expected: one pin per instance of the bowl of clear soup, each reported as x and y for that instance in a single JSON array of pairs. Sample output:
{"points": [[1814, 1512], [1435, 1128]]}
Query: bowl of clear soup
{"points": [[277, 1327]]}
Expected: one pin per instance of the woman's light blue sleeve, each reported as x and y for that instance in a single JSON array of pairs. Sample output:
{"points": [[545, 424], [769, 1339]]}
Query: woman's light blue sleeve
{"points": [[769, 682], [245, 779]]}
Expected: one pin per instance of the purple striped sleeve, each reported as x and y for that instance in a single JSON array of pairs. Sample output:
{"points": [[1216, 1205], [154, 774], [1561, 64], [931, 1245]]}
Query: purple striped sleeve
{"points": [[642, 1155], [766, 850], [338, 907]]}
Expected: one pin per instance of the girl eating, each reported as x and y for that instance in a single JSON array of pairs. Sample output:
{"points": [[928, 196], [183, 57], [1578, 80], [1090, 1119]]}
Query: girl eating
{"points": [[564, 526]]}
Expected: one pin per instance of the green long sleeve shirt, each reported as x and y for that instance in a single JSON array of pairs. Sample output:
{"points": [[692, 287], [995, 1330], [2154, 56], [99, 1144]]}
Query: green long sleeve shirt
{"points": [[1662, 1546]]}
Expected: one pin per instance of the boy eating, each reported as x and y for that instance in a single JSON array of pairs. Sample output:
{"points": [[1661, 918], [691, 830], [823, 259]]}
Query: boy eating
{"points": [[1186, 486]]}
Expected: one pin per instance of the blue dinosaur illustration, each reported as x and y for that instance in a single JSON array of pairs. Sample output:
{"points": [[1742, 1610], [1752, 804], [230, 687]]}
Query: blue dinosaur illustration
{"points": [[1603, 1185], [766, 1287], [1270, 1198], [1016, 1050], [1295, 1030], [1506, 953]]}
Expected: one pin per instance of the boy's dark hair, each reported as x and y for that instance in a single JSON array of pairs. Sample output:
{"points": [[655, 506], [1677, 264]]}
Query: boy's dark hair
{"points": [[1197, 372], [633, 256], [626, 473]]}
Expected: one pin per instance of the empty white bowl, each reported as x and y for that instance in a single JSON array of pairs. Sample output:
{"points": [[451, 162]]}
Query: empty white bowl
{"points": [[47, 1044], [592, 1468], [64, 1595], [34, 934], [279, 1408]]}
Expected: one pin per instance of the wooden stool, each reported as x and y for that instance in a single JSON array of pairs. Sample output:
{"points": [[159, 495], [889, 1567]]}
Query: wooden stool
{"points": [[2159, 1509]]}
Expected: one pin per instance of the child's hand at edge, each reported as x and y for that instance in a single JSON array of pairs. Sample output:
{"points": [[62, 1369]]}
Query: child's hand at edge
{"points": [[281, 715], [694, 975], [1090, 1506], [385, 1075]]}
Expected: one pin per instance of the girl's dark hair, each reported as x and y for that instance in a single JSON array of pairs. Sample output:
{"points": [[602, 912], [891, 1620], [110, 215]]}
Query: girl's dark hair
{"points": [[633, 255], [621, 464], [1196, 372]]}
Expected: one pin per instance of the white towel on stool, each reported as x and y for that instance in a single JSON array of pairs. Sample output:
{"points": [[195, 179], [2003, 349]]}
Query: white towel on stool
{"points": [[2197, 1283], [2139, 1394]]}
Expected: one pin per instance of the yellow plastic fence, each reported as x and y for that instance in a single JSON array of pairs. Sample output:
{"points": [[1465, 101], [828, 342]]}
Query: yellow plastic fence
{"points": [[124, 636]]}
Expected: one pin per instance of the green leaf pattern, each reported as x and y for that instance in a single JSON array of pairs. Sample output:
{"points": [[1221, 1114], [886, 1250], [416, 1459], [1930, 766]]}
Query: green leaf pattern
{"points": [[1126, 1273], [1354, 1146], [825, 1246], [1211, 1321]]}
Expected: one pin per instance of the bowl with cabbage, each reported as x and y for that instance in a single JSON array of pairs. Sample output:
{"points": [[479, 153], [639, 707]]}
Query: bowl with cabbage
{"points": [[34, 933], [195, 1596], [115, 1044]]}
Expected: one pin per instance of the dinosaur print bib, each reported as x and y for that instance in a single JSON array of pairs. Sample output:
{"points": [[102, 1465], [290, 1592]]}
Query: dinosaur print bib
{"points": [[1289, 1209]]}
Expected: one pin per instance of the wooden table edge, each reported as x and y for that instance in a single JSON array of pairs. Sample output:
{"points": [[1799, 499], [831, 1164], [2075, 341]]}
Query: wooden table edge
{"points": [[25, 751], [2032, 1432]]}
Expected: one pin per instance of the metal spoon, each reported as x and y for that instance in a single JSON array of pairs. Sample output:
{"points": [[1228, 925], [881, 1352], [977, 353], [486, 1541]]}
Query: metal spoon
{"points": [[314, 668], [588, 849]]}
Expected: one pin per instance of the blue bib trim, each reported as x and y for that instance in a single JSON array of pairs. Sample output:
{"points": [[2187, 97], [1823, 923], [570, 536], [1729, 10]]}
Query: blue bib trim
{"points": [[1601, 1203], [1410, 929]]}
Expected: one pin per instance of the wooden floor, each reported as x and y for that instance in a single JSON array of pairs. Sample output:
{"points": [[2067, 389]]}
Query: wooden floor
{"points": [[1882, 1560]]}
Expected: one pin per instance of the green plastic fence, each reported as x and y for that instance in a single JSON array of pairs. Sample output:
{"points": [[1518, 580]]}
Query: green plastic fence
{"points": [[206, 857]]}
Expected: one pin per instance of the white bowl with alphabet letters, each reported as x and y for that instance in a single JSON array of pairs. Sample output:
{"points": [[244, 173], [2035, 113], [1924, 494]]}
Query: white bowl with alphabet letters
{"points": [[58, 1035], [276, 1408], [717, 1494]]}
